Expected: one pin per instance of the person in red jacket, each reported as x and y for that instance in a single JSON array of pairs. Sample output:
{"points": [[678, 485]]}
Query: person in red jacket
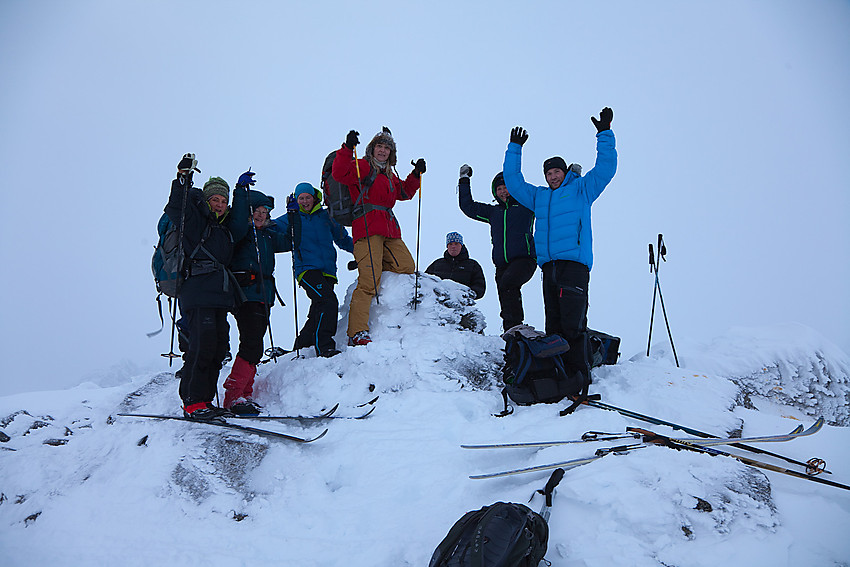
{"points": [[375, 187]]}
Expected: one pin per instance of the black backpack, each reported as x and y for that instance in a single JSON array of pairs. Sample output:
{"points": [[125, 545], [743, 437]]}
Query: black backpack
{"points": [[337, 195], [534, 369], [604, 348], [500, 535]]}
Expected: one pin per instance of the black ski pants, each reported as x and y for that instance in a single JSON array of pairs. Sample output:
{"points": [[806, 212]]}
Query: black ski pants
{"points": [[209, 342], [565, 285], [509, 280], [252, 319], [320, 327]]}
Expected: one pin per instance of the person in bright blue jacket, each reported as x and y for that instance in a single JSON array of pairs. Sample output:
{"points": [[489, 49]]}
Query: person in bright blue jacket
{"points": [[256, 242], [562, 234], [511, 227], [313, 233]]}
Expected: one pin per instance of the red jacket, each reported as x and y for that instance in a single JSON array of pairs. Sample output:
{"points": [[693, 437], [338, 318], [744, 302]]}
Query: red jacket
{"points": [[383, 193]]}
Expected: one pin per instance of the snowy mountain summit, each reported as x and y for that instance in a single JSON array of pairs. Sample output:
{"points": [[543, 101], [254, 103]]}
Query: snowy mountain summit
{"points": [[81, 485]]}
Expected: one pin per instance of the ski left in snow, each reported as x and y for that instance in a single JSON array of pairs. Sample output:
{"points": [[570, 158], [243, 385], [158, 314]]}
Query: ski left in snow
{"points": [[238, 427]]}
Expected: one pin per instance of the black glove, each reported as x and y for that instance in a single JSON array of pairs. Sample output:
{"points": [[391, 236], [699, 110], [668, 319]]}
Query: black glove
{"points": [[188, 164], [352, 139], [465, 171], [519, 136], [418, 167], [604, 122], [352, 265]]}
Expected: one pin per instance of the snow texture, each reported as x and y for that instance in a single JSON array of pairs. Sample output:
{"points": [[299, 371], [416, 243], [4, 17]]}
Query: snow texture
{"points": [[80, 485]]}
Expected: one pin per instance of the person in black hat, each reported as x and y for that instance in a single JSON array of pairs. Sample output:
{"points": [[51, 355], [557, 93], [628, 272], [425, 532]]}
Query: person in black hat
{"points": [[456, 265], [511, 227], [562, 233]]}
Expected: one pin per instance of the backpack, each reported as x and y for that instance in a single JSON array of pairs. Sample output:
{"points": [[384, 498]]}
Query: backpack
{"points": [[604, 348], [338, 197], [165, 263], [503, 534], [534, 370]]}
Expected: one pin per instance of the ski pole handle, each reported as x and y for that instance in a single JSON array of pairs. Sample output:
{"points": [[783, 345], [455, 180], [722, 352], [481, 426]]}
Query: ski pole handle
{"points": [[662, 249], [651, 258]]}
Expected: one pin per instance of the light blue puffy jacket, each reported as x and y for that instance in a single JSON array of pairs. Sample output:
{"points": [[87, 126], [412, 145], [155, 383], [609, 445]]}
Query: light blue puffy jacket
{"points": [[562, 230]]}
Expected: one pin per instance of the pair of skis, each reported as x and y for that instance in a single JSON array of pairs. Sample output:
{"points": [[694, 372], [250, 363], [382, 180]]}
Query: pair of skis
{"points": [[301, 419], [644, 438]]}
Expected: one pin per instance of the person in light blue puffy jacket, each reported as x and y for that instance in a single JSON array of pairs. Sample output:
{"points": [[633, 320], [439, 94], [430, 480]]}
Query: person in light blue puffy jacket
{"points": [[562, 234], [313, 233]]}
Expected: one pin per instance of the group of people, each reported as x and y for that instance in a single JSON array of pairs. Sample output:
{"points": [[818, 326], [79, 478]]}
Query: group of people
{"points": [[229, 255]]}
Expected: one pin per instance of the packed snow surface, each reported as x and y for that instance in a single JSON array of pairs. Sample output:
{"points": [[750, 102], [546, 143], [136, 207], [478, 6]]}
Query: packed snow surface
{"points": [[80, 485]]}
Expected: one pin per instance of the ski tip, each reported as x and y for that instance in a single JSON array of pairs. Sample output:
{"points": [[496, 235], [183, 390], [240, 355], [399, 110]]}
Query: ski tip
{"points": [[317, 437]]}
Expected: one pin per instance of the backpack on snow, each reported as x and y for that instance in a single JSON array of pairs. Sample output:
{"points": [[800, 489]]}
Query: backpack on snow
{"points": [[534, 369], [503, 534], [338, 197], [604, 348]]}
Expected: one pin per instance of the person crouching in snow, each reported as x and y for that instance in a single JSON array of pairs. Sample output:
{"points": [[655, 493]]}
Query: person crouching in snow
{"points": [[456, 265], [374, 188], [253, 265], [313, 233]]}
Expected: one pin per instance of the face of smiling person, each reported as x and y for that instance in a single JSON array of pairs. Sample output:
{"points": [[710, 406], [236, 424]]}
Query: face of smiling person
{"points": [[218, 204], [261, 216], [381, 152], [502, 193], [554, 177], [306, 202]]}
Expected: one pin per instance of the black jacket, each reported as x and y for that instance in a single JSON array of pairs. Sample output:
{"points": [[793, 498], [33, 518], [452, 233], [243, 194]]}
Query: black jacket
{"points": [[208, 283], [511, 225], [461, 269]]}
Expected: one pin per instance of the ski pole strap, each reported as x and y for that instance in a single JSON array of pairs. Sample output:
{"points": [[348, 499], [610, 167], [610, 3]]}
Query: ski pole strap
{"points": [[549, 489]]}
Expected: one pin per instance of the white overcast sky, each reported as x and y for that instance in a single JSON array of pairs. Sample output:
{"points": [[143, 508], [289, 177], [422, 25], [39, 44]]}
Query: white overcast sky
{"points": [[731, 120]]}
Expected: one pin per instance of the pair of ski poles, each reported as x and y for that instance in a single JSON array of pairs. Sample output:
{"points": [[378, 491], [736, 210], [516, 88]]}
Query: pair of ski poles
{"points": [[654, 265]]}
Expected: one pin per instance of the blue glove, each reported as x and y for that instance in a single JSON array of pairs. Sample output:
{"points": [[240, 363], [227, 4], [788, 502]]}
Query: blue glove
{"points": [[291, 204], [246, 179]]}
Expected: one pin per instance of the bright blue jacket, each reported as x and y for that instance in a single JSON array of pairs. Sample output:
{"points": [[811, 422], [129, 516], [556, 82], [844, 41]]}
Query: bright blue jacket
{"points": [[562, 230], [314, 235]]}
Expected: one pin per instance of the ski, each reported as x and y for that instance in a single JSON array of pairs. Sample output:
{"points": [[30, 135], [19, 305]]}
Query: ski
{"points": [[566, 465], [632, 432], [328, 415], [234, 426], [655, 421], [688, 445], [588, 437]]}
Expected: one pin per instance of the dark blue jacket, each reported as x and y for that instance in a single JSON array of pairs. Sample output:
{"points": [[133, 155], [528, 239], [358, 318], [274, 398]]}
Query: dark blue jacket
{"points": [[245, 265], [315, 233], [511, 224]]}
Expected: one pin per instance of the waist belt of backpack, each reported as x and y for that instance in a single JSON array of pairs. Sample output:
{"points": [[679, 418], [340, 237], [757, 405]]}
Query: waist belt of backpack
{"points": [[210, 265], [361, 210]]}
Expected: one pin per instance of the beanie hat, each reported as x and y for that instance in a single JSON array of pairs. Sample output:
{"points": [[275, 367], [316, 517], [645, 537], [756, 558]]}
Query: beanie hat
{"points": [[556, 162], [216, 186], [305, 188], [498, 180], [257, 199], [454, 237], [383, 137]]}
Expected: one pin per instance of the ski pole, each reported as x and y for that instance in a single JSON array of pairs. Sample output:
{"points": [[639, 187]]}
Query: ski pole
{"points": [[675, 426], [186, 181], [418, 223], [360, 197], [654, 293], [662, 255], [262, 275], [296, 248]]}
